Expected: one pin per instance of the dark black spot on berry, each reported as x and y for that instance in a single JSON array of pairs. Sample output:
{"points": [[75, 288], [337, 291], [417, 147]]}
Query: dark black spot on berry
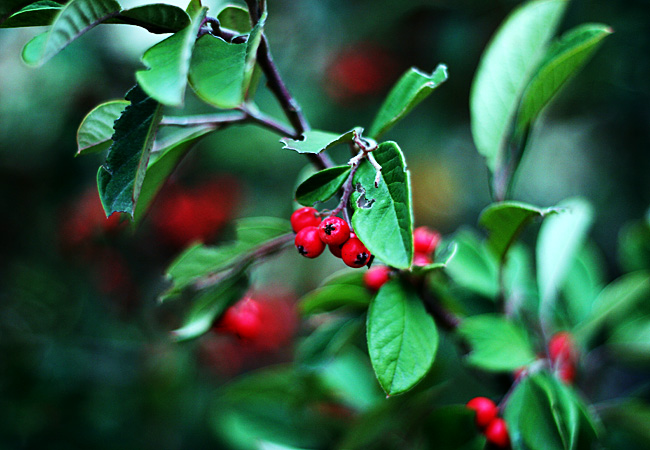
{"points": [[302, 250], [361, 258], [329, 229]]}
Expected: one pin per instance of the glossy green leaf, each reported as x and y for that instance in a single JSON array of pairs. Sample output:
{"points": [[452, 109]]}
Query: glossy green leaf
{"points": [[322, 185], [617, 300], [474, 267], [441, 260], [77, 17], [505, 220], [563, 59], [504, 72], [120, 178], [96, 129], [402, 337], [37, 14], [156, 18], [413, 87], [169, 64], [225, 84], [209, 305], [9, 7], [316, 141], [167, 154], [497, 344], [560, 238], [543, 413], [335, 296], [383, 218], [200, 261]]}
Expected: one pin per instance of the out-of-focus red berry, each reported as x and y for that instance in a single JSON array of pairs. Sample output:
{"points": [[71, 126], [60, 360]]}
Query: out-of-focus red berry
{"points": [[485, 409], [562, 348], [420, 259], [185, 215], [376, 277], [359, 72], [425, 240], [304, 217], [496, 433], [243, 318]]}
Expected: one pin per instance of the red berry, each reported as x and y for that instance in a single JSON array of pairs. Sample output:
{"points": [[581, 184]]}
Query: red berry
{"points": [[425, 240], [334, 231], [308, 242], [354, 253], [376, 277], [497, 433], [486, 410], [562, 348], [304, 217], [336, 250], [243, 319], [567, 372], [420, 259]]}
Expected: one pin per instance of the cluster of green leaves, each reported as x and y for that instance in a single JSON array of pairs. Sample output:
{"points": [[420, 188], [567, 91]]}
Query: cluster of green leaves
{"points": [[521, 70]]}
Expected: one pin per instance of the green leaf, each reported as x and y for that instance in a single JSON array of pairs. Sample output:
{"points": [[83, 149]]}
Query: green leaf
{"points": [[634, 246], [383, 218], [504, 222], [632, 415], [402, 337], [497, 344], [560, 239], [504, 72], [96, 129], [200, 261], [209, 305], [583, 283], [413, 87], [442, 259], [169, 64], [328, 340], [617, 300], [334, 296], [9, 7], [631, 340], [77, 17], [225, 84], [156, 18], [322, 185], [167, 154], [316, 141], [542, 413], [563, 59], [120, 178], [37, 14], [235, 18], [454, 428], [474, 267]]}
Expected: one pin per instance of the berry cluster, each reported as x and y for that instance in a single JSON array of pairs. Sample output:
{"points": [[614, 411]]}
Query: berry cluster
{"points": [[313, 234], [491, 425]]}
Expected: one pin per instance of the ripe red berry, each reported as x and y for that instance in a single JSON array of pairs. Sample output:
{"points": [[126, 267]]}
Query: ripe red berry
{"points": [[243, 319], [567, 372], [562, 348], [334, 231], [336, 250], [486, 410], [425, 240], [308, 242], [304, 217], [354, 253], [376, 277], [496, 433]]}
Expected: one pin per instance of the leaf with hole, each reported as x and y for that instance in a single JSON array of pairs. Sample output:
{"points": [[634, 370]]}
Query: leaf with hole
{"points": [[383, 216]]}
